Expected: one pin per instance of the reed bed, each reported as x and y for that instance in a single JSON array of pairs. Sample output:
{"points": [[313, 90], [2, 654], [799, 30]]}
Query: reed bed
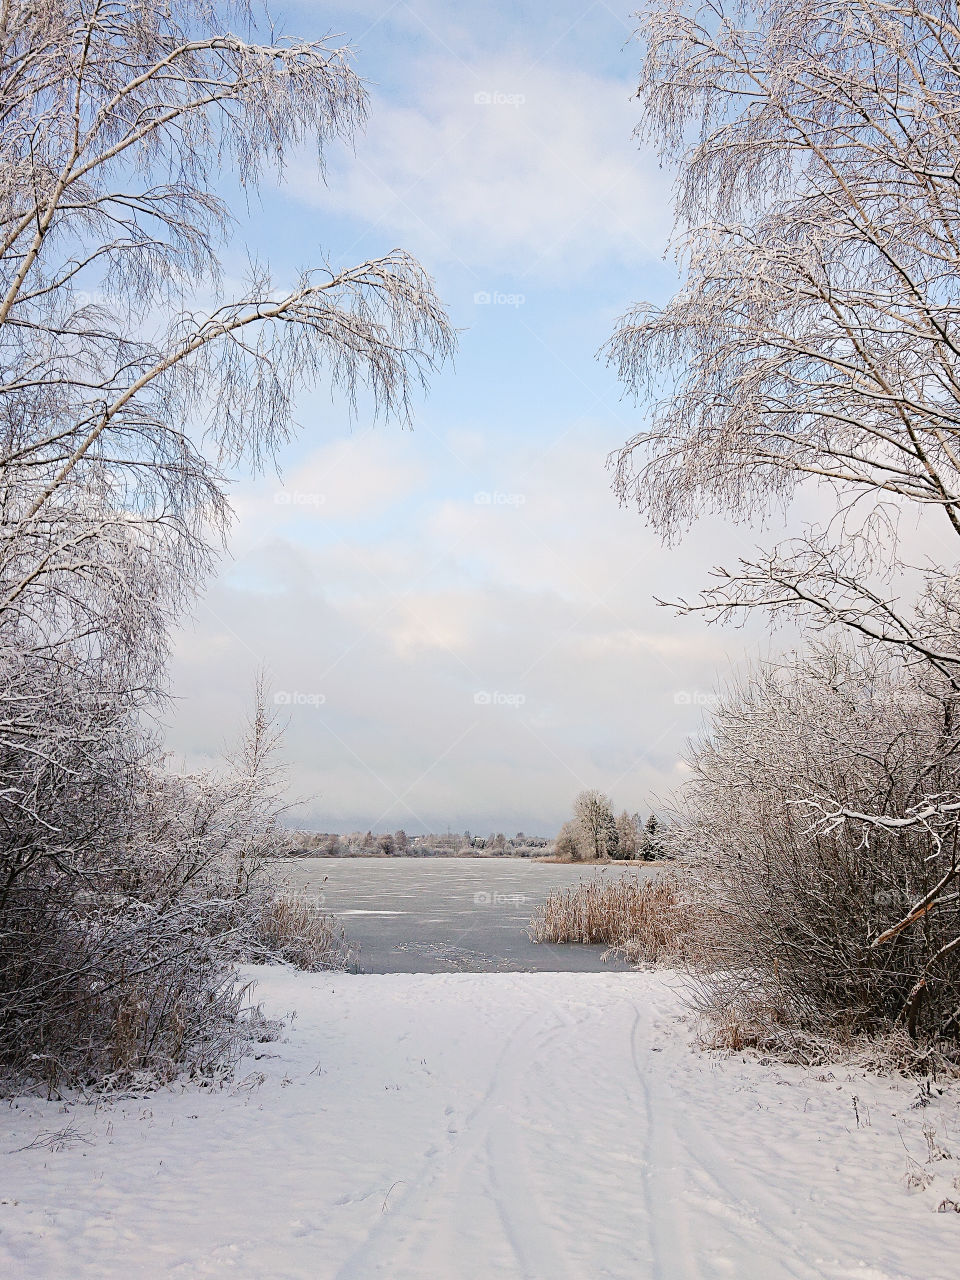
{"points": [[293, 928], [647, 921]]}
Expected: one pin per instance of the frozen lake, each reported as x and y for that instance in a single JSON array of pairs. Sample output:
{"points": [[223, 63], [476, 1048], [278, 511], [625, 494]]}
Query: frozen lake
{"points": [[443, 915]]}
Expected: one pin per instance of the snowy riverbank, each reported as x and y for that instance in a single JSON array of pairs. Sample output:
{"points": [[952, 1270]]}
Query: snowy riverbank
{"points": [[525, 1126]]}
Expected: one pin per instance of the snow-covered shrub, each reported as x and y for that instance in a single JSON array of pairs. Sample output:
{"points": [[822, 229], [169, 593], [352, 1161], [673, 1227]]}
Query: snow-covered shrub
{"points": [[818, 822], [129, 896], [566, 847]]}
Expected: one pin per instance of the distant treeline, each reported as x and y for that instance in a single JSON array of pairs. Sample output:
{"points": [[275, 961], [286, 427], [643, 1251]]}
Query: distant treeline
{"points": [[596, 833], [369, 844]]}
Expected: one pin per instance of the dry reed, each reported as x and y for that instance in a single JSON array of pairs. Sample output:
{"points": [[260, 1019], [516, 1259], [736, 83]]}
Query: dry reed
{"points": [[293, 928], [646, 921]]}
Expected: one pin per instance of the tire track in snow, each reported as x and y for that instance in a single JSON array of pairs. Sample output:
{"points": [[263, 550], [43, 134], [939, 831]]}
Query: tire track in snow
{"points": [[424, 1232], [670, 1248], [746, 1203], [490, 1180], [746, 1209], [748, 1198], [510, 1173]]}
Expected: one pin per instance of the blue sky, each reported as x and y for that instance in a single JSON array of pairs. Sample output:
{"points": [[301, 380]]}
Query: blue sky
{"points": [[458, 620]]}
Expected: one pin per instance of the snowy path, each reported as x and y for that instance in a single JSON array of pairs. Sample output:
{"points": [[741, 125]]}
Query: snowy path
{"points": [[479, 1126]]}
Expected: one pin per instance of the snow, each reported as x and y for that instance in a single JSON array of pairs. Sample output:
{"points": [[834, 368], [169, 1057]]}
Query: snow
{"points": [[543, 1126]]}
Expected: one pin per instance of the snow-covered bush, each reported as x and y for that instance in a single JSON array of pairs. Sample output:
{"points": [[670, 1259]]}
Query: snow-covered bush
{"points": [[130, 895], [567, 845], [818, 823]]}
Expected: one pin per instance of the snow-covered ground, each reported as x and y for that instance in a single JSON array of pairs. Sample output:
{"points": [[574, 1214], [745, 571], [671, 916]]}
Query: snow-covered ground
{"points": [[545, 1126]]}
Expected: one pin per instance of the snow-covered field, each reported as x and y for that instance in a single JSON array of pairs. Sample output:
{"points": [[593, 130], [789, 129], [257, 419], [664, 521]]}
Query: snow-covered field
{"points": [[546, 1126]]}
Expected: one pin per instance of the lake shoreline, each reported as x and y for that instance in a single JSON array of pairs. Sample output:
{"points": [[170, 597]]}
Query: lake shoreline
{"points": [[447, 915]]}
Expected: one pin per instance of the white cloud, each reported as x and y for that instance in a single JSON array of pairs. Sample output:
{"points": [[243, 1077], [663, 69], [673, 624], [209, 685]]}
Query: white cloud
{"points": [[398, 626], [364, 474], [529, 169]]}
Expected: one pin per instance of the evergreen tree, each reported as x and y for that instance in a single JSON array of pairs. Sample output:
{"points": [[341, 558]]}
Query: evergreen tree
{"points": [[651, 845], [609, 835]]}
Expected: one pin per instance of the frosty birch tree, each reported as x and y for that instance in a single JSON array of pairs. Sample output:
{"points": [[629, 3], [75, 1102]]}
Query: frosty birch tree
{"points": [[816, 336], [628, 840], [816, 332], [130, 384], [595, 825], [123, 393], [122, 397]]}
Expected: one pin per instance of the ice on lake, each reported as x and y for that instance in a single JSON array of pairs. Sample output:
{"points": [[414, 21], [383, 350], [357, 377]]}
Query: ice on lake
{"points": [[443, 915]]}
